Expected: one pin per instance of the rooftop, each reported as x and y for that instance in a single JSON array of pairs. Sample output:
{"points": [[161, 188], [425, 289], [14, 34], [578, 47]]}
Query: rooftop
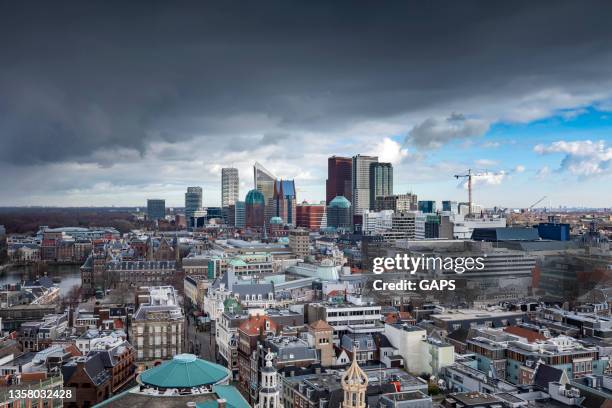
{"points": [[184, 371]]}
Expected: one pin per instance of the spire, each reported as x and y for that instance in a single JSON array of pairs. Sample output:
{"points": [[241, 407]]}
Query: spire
{"points": [[269, 357], [355, 375], [354, 384]]}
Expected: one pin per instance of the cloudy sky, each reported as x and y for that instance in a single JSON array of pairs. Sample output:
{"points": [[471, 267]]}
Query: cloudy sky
{"points": [[111, 103]]}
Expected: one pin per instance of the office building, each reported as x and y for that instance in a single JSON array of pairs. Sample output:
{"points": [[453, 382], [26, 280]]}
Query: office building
{"points": [[398, 202], [156, 209], [427, 206], [255, 205], [193, 205], [361, 182], [451, 206], [554, 230], [283, 202], [311, 216], [381, 181], [264, 181], [403, 225], [156, 330], [299, 242], [229, 186], [239, 213], [339, 214], [339, 178]]}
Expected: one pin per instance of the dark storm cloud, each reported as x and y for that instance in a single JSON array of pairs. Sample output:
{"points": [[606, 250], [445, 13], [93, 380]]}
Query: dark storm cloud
{"points": [[82, 77]]}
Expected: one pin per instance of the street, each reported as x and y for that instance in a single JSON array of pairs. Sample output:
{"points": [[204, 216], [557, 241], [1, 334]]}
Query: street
{"points": [[200, 343]]}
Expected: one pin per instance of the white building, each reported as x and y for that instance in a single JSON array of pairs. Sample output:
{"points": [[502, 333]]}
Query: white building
{"points": [[420, 353], [229, 186]]}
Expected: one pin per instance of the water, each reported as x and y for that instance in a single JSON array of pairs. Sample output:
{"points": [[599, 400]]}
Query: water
{"points": [[69, 274]]}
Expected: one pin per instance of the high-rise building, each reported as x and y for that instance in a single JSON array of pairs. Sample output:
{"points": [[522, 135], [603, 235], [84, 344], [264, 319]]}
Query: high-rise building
{"points": [[398, 202], [240, 214], [229, 186], [339, 178], [283, 202], [193, 205], [254, 209], [427, 206], [361, 182], [264, 181], [381, 182], [156, 209], [311, 216], [339, 215]]}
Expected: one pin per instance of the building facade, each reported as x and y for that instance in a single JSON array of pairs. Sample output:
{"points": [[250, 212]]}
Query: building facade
{"points": [[339, 178], [229, 186], [361, 182], [156, 209], [381, 181]]}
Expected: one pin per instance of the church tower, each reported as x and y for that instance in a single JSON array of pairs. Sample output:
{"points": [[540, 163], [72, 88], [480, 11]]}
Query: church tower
{"points": [[269, 394], [354, 385]]}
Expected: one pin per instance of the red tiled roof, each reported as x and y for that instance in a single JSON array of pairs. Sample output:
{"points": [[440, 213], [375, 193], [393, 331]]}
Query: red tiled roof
{"points": [[255, 324], [73, 350], [530, 335]]}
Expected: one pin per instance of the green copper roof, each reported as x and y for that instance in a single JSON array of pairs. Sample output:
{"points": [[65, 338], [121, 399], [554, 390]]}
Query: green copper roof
{"points": [[184, 371], [230, 394], [340, 202], [237, 262], [255, 197], [276, 220]]}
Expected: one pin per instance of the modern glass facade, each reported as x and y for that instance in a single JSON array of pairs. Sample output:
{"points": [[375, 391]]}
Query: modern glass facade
{"points": [[381, 181], [156, 209]]}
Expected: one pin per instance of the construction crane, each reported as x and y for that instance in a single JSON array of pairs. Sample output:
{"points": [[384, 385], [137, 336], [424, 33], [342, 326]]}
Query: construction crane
{"points": [[470, 174], [537, 202]]}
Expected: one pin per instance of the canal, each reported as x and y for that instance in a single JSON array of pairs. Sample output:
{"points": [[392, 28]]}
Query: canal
{"points": [[69, 275]]}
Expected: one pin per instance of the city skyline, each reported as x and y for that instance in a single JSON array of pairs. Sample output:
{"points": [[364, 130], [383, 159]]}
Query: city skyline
{"points": [[96, 112]]}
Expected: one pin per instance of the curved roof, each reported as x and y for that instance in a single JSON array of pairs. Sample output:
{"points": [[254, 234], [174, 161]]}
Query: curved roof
{"points": [[340, 202], [276, 220], [184, 371], [255, 197]]}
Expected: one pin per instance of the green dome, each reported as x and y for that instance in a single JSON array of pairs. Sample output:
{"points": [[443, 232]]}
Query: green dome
{"points": [[255, 197], [340, 202], [184, 371], [276, 220]]}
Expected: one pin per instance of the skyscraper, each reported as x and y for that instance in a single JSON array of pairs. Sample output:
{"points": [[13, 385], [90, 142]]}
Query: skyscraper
{"points": [[339, 176], [339, 214], [254, 209], [156, 209], [283, 202], [361, 182], [193, 204], [229, 186], [264, 181], [381, 181]]}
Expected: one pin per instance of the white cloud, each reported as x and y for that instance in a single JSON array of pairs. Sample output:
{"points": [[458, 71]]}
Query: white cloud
{"points": [[519, 169], [388, 150], [582, 158]]}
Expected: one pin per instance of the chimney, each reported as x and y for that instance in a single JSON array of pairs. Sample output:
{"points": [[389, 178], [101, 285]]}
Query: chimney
{"points": [[222, 403]]}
